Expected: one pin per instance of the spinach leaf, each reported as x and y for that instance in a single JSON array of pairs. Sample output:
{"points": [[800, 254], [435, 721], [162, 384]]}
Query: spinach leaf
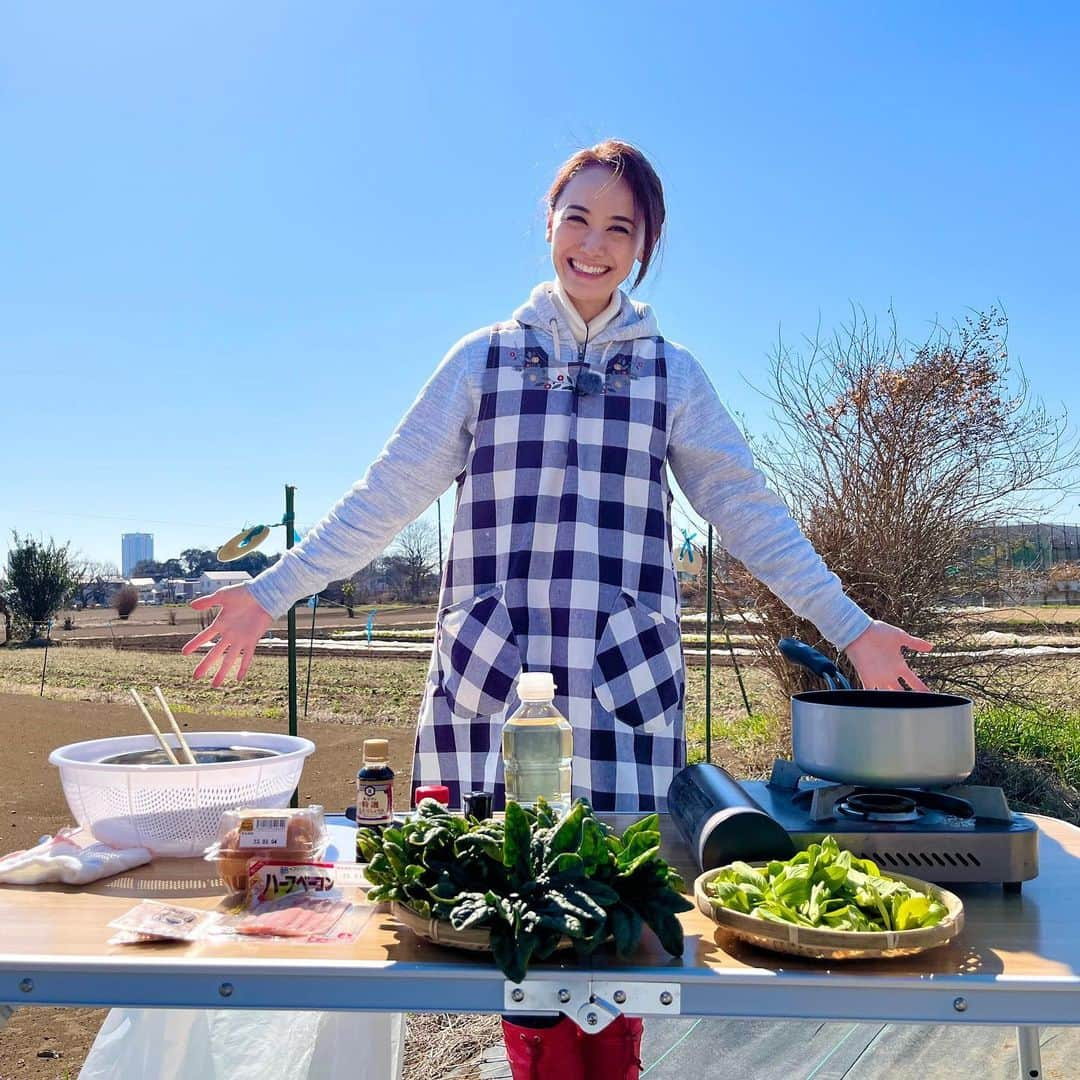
{"points": [[824, 886]]}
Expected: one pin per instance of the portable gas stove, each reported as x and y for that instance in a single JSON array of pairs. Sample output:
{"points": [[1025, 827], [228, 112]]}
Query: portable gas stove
{"points": [[963, 832]]}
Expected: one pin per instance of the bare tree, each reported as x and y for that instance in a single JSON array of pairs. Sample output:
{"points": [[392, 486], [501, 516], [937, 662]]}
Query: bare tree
{"points": [[415, 556], [889, 455], [92, 584]]}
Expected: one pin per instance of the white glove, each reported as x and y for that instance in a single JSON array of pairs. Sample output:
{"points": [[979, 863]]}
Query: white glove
{"points": [[57, 858]]}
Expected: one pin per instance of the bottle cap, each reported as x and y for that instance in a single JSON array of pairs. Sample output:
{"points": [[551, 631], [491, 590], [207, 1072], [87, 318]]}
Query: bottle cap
{"points": [[376, 750], [438, 792], [536, 686]]}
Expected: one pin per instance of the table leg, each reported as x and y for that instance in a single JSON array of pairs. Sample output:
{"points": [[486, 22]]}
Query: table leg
{"points": [[1028, 1053]]}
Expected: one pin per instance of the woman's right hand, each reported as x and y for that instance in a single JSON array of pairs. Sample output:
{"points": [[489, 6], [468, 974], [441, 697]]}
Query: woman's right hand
{"points": [[239, 625]]}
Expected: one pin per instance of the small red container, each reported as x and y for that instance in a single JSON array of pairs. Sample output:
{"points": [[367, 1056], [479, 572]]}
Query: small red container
{"points": [[438, 792]]}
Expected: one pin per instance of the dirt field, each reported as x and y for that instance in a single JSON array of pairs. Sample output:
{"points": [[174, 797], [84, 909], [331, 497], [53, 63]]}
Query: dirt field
{"points": [[32, 804], [171, 618]]}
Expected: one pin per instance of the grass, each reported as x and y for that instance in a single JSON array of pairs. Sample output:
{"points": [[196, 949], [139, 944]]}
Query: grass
{"points": [[349, 633], [1049, 735]]}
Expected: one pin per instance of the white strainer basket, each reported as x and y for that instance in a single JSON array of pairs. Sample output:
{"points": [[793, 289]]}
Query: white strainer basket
{"points": [[173, 810]]}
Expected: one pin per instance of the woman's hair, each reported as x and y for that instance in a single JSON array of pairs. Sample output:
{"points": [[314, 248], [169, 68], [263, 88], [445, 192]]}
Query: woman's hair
{"points": [[630, 163]]}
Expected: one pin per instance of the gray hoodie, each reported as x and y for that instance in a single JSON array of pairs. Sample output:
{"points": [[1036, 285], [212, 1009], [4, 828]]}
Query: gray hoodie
{"points": [[707, 456]]}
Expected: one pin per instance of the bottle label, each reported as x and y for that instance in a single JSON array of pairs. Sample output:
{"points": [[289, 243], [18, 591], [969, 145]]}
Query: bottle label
{"points": [[374, 801]]}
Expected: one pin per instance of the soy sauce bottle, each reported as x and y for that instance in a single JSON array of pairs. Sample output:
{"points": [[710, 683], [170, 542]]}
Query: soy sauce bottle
{"points": [[375, 786]]}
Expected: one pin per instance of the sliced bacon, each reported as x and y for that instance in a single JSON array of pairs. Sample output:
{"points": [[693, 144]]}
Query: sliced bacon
{"points": [[301, 916]]}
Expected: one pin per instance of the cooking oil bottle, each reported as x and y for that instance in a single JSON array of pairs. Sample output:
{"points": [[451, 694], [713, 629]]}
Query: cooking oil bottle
{"points": [[537, 745]]}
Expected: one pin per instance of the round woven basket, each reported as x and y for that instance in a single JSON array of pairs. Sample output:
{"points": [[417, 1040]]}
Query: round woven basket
{"points": [[823, 944], [441, 932]]}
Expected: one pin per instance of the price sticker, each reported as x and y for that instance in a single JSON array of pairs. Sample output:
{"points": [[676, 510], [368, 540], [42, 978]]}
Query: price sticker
{"points": [[264, 832]]}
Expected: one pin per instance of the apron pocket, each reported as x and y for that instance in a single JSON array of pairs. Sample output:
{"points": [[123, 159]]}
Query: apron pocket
{"points": [[638, 674], [479, 657]]}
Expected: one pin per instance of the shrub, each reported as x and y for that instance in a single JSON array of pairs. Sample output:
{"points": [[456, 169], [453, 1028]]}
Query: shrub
{"points": [[126, 600], [40, 577], [890, 455]]}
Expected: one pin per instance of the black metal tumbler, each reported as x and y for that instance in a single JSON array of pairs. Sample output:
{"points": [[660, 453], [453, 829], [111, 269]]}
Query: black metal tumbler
{"points": [[477, 804], [720, 822]]}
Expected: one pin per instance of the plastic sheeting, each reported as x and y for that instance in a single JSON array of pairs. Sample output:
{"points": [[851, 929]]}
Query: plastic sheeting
{"points": [[238, 1044]]}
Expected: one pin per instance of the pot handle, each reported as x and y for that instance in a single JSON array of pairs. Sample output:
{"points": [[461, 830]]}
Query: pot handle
{"points": [[802, 655]]}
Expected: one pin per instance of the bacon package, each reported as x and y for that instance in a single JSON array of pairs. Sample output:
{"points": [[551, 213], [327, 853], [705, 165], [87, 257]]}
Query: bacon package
{"points": [[271, 879], [300, 902], [154, 921], [298, 915]]}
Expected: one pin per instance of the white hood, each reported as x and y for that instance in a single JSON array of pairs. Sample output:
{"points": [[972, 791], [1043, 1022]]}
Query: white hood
{"points": [[634, 320]]}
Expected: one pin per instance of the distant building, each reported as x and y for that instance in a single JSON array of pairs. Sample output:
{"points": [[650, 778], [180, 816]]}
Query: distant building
{"points": [[177, 590], [148, 590], [212, 580], [134, 549]]}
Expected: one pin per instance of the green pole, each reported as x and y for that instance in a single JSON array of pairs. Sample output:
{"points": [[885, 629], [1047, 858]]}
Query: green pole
{"points": [[708, 649], [310, 653], [289, 520]]}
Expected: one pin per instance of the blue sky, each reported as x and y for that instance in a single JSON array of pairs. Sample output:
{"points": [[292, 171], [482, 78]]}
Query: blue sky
{"points": [[237, 238]]}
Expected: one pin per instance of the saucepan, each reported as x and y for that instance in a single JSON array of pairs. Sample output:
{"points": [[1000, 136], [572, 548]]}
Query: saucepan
{"points": [[885, 738]]}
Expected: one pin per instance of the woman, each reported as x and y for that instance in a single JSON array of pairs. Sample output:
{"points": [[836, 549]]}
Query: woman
{"points": [[559, 426]]}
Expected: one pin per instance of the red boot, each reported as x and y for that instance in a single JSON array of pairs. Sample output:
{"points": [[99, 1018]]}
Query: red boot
{"points": [[615, 1052], [545, 1053]]}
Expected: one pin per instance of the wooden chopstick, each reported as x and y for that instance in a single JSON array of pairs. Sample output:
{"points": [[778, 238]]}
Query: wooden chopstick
{"points": [[175, 726], [153, 727]]}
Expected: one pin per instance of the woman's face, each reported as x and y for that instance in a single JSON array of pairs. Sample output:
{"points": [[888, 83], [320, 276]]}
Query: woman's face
{"points": [[595, 237]]}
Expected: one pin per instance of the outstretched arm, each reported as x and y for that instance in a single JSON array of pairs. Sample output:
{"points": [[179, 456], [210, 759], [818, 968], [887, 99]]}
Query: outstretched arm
{"points": [[714, 467], [419, 462]]}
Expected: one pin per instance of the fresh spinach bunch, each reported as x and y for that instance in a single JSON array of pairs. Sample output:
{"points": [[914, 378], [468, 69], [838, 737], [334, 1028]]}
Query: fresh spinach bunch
{"points": [[824, 887], [530, 879]]}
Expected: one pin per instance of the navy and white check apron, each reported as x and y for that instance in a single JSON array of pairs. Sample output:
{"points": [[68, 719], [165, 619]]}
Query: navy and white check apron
{"points": [[561, 561]]}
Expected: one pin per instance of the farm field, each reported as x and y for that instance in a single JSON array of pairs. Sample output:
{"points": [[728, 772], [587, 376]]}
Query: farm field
{"points": [[179, 618]]}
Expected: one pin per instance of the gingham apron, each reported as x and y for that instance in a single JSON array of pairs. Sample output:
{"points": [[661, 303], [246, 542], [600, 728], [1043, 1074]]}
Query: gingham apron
{"points": [[561, 561]]}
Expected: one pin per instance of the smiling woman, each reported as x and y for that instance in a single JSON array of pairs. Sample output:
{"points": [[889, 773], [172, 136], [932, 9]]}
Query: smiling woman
{"points": [[559, 426], [605, 210]]}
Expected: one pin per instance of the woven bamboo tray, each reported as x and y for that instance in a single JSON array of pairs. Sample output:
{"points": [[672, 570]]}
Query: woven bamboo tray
{"points": [[822, 944], [441, 932]]}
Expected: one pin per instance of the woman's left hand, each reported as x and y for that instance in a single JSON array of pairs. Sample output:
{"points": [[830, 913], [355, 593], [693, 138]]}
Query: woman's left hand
{"points": [[877, 657]]}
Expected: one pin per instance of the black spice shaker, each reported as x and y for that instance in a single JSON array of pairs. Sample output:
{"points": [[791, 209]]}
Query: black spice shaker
{"points": [[477, 804]]}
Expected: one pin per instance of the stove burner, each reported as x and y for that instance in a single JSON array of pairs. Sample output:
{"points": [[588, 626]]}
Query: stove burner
{"points": [[879, 806]]}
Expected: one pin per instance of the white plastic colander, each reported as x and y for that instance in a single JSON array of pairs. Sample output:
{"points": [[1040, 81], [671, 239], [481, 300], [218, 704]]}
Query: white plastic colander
{"points": [[174, 810]]}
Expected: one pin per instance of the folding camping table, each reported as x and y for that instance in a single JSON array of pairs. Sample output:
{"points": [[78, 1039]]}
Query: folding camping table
{"points": [[1017, 962]]}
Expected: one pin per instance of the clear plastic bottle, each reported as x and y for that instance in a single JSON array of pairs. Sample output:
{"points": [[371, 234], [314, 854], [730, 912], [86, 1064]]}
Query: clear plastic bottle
{"points": [[537, 745]]}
